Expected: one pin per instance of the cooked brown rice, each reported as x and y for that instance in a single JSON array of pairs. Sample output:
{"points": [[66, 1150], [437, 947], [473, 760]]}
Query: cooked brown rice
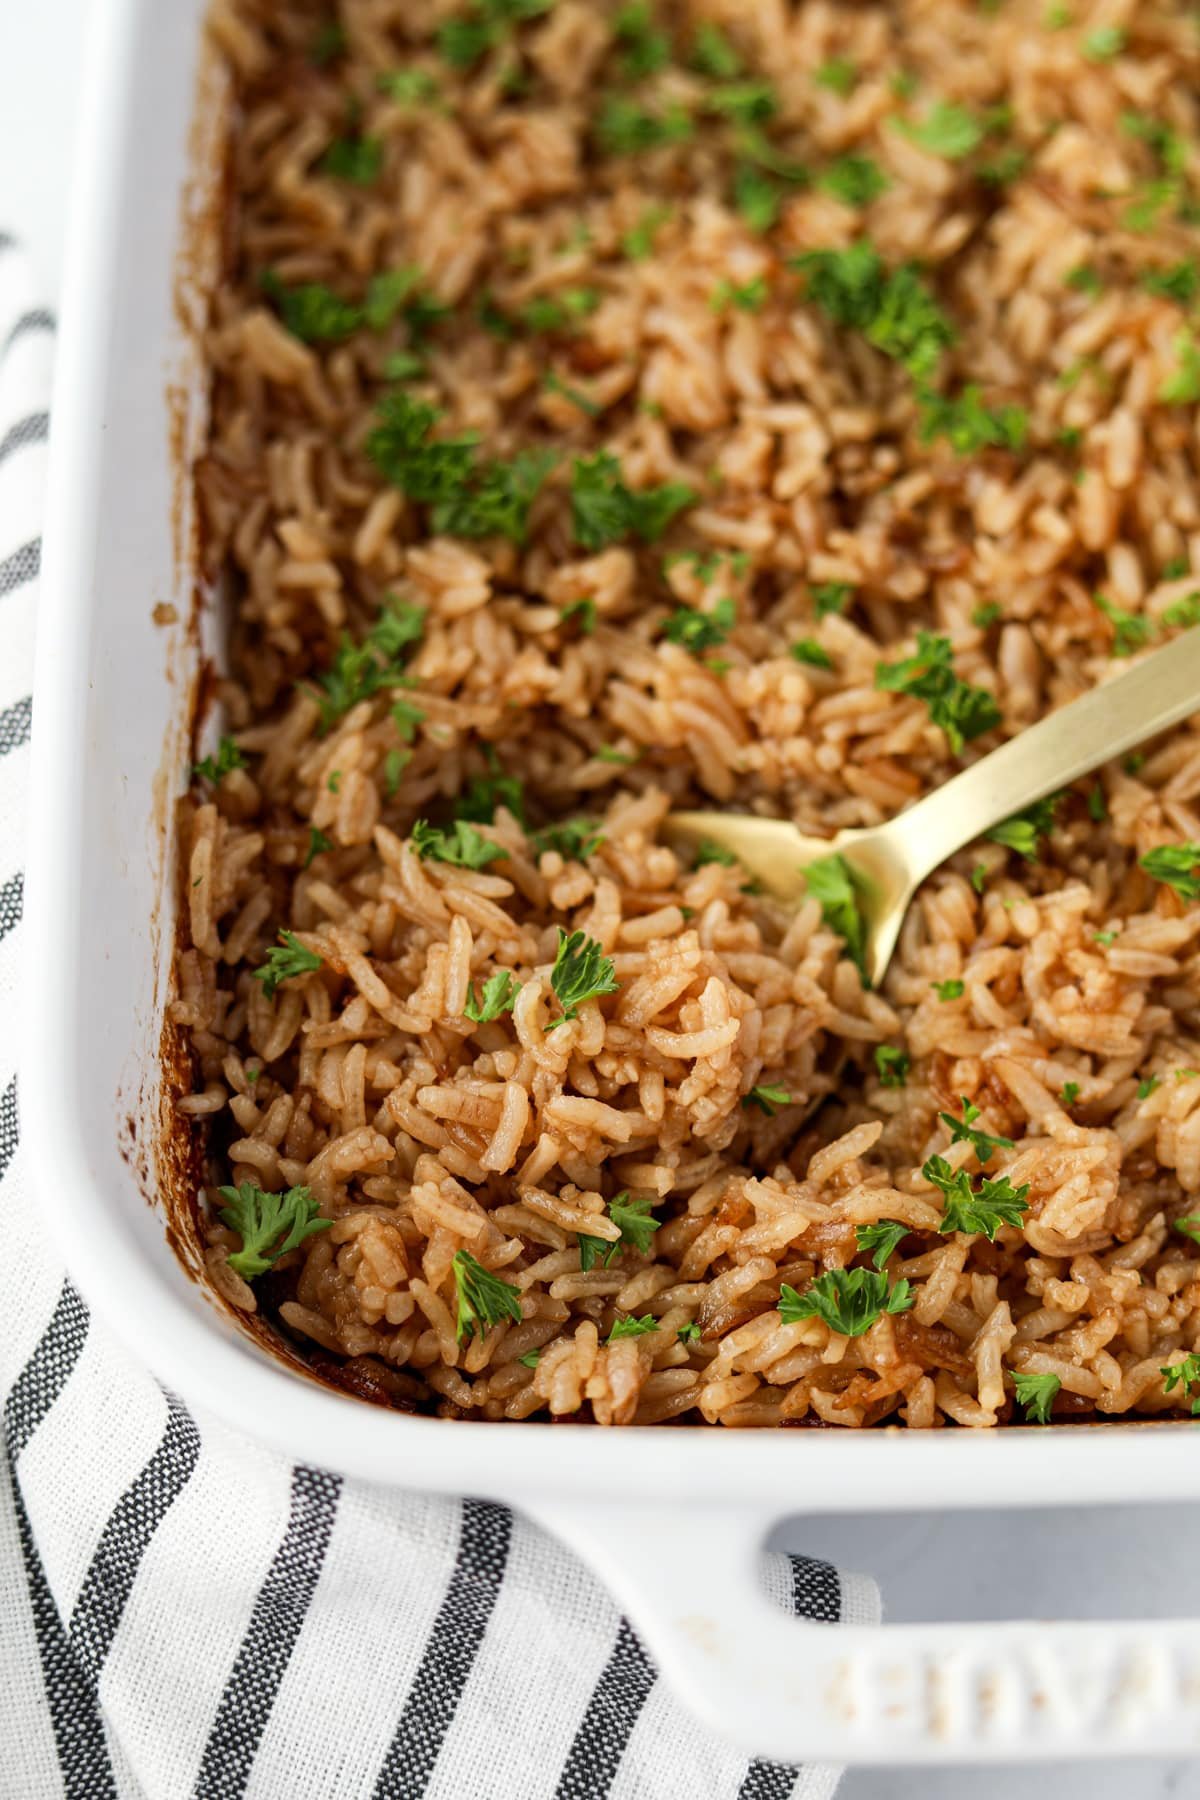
{"points": [[700, 357]]}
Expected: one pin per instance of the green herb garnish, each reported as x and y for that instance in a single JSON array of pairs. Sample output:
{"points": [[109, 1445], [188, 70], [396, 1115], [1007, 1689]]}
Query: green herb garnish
{"points": [[318, 843], [768, 1098], [1024, 831], [984, 1209], [831, 880], [264, 1220], [891, 1066], [946, 130], [963, 712], [483, 1298], [696, 631], [637, 1225], [499, 996], [462, 845], [962, 1132], [604, 510], [1036, 1394], [849, 1301], [1177, 866], [286, 959], [882, 1237], [227, 759], [581, 972]]}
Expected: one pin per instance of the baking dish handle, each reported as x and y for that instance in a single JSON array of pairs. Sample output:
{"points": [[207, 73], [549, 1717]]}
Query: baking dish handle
{"points": [[690, 1582]]}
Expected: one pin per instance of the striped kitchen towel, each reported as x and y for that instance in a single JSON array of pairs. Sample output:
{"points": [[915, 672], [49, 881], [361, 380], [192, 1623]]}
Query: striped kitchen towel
{"points": [[184, 1614]]}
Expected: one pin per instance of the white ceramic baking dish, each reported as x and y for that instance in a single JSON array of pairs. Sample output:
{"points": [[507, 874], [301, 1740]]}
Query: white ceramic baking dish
{"points": [[671, 1518]]}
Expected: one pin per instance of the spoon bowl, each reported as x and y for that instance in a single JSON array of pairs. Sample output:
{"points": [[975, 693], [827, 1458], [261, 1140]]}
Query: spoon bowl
{"points": [[887, 863]]}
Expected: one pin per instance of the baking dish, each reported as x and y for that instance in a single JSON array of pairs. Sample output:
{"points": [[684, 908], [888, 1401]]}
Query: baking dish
{"points": [[671, 1518]]}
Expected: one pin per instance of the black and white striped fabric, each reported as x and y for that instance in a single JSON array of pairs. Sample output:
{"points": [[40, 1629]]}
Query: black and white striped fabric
{"points": [[184, 1615]]}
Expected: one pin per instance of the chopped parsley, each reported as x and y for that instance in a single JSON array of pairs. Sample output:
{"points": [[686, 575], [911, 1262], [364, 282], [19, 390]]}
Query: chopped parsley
{"points": [[831, 881], [1084, 279], [747, 103], [689, 1333], [483, 1298], [713, 54], [1182, 388], [768, 1098], [962, 1132], [1189, 1226], [854, 180], [1024, 830], [968, 425], [948, 990], [581, 972], [1180, 282], [559, 312], [554, 384], [891, 1066], [882, 1237], [312, 312], [1036, 1393], [631, 1328], [838, 74], [962, 711], [530, 1359], [638, 243], [484, 793], [892, 308], [359, 671], [394, 764], [499, 996], [831, 596], [485, 25], [408, 87], [467, 498], [637, 1226], [264, 1220], [623, 128], [1147, 1087], [318, 843], [1096, 805], [1130, 630], [757, 197], [328, 44], [1185, 1375], [354, 159], [696, 631], [849, 1301], [807, 650], [1184, 613], [286, 959], [644, 49], [583, 613], [462, 845], [574, 839], [987, 614], [1070, 1093], [604, 510], [946, 130], [709, 852], [984, 1209], [1176, 865], [1104, 43], [227, 759], [749, 296]]}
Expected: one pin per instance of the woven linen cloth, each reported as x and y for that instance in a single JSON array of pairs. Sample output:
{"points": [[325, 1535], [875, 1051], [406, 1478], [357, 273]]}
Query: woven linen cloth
{"points": [[184, 1614]]}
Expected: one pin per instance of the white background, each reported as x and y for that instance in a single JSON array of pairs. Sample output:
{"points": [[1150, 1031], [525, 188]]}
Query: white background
{"points": [[1069, 1562]]}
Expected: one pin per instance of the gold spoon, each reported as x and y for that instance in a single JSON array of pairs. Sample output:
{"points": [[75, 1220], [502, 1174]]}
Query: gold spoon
{"points": [[889, 862]]}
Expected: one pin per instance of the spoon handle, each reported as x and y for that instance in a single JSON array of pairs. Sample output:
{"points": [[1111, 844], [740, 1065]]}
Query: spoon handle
{"points": [[1156, 692]]}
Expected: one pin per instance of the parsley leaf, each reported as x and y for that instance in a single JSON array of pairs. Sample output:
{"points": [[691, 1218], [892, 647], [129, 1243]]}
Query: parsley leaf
{"points": [[530, 1359], [360, 670], [638, 243], [467, 498], [408, 87], [709, 852], [1147, 1087], [328, 44], [1182, 388], [631, 1328], [807, 650], [750, 296], [1104, 43], [849, 1301], [713, 54], [1190, 1227], [1184, 613], [462, 845], [499, 996], [623, 128], [483, 1298], [285, 960], [1185, 1374], [1180, 282], [689, 1333], [831, 596], [962, 711], [695, 631], [604, 510], [1070, 1093], [891, 1065], [637, 1226], [262, 1220], [948, 990], [1024, 830], [768, 1098], [581, 972], [496, 502], [228, 758], [1176, 865], [994, 1203], [1036, 1393], [354, 159], [574, 839], [946, 130], [1130, 630], [312, 312], [968, 424], [484, 793], [831, 881], [882, 1237], [984, 1145], [838, 74], [484, 26], [645, 50], [893, 308], [854, 180], [318, 843], [757, 197]]}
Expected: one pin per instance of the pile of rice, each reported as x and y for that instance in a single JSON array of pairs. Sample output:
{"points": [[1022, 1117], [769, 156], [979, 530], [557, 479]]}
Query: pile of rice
{"points": [[1076, 1031]]}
